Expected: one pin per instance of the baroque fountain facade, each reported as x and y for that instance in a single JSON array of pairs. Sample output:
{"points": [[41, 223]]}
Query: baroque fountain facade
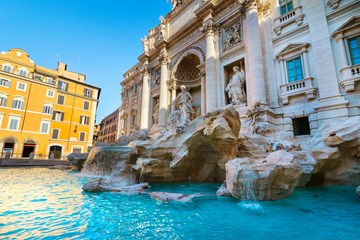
{"points": [[241, 92]]}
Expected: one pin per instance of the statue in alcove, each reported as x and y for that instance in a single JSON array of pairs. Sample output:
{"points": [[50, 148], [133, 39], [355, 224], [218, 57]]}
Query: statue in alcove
{"points": [[236, 87], [155, 113], [184, 101]]}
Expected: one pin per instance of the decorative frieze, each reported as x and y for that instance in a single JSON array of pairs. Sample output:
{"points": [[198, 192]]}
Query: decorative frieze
{"points": [[231, 36]]}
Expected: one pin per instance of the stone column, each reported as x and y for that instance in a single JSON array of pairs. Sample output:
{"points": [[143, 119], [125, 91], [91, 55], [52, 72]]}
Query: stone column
{"points": [[163, 105], [283, 71], [306, 64], [173, 98], [203, 94], [211, 94], [254, 53], [145, 99], [342, 51]]}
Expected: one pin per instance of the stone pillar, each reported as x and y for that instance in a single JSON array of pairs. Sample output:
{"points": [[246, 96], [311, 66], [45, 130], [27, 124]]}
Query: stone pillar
{"points": [[211, 93], [283, 71], [306, 64], [254, 54], [145, 99], [342, 51], [203, 95], [163, 105]]}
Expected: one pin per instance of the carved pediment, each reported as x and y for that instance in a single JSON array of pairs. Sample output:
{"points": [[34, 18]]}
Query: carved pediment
{"points": [[352, 23], [292, 47]]}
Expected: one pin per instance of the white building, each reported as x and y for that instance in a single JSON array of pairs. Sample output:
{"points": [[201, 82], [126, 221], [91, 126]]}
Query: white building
{"points": [[300, 57]]}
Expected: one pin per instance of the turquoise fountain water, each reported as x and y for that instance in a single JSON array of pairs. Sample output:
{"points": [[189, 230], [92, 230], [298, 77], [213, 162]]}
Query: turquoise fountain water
{"points": [[42, 203]]}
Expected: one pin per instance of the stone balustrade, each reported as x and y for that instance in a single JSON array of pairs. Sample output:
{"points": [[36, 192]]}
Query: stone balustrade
{"points": [[296, 88], [293, 16], [350, 75]]}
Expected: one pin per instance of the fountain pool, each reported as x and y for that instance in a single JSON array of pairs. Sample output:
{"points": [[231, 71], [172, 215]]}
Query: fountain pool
{"points": [[41, 203]]}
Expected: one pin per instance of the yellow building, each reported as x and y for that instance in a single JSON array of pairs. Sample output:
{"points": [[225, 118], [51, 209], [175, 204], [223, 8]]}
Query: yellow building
{"points": [[43, 110]]}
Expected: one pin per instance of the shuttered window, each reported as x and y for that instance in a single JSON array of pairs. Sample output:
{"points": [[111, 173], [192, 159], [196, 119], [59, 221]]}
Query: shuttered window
{"points": [[55, 134]]}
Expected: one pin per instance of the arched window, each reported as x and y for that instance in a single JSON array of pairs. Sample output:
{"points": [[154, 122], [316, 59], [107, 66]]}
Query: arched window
{"points": [[48, 108], [3, 99], [18, 103]]}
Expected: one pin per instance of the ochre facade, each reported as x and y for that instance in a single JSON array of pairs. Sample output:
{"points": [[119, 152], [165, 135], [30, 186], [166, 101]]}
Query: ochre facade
{"points": [[42, 110]]}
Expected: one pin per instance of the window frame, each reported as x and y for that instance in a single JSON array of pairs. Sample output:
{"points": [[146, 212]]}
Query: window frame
{"points": [[48, 106], [84, 134], [5, 97], [60, 86], [294, 68], [5, 80], [286, 4], [84, 120], [57, 100], [58, 134], [357, 37], [18, 86], [18, 123], [88, 92], [48, 91], [54, 116], [4, 67], [88, 105], [18, 99], [41, 127]]}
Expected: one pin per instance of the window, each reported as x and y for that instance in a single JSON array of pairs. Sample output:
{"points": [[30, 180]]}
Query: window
{"points": [[82, 137], [294, 69], [47, 109], [7, 68], [87, 92], [55, 134], [58, 116], [354, 48], [38, 77], [45, 126], [135, 88], [86, 105], [61, 99], [126, 93], [285, 6], [84, 120], [3, 99], [18, 103], [77, 150], [14, 123], [63, 86], [50, 93], [301, 126], [4, 82], [23, 72], [21, 86], [51, 81]]}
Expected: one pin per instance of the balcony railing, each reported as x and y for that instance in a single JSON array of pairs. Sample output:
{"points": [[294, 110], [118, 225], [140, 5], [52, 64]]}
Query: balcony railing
{"points": [[296, 88], [284, 20], [350, 75]]}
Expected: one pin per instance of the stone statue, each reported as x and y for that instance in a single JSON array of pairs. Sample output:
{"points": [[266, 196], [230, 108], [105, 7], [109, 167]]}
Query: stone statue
{"points": [[145, 43], [184, 100], [175, 3], [235, 87], [155, 113], [162, 32]]}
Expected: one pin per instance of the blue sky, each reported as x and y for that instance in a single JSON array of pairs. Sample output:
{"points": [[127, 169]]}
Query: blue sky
{"points": [[100, 38]]}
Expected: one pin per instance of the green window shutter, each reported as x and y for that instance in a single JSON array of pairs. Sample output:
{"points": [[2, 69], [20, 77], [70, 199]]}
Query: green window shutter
{"points": [[354, 48]]}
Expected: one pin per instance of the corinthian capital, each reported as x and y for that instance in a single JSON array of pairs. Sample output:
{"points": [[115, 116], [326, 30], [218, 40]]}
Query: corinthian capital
{"points": [[145, 67], [163, 58], [260, 5], [209, 27]]}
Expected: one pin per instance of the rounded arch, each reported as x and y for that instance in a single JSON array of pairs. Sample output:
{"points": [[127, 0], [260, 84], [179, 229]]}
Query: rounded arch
{"points": [[193, 50], [10, 139], [30, 141]]}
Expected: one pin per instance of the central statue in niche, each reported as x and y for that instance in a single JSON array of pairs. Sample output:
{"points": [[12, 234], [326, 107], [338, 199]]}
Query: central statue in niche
{"points": [[236, 87], [184, 101]]}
